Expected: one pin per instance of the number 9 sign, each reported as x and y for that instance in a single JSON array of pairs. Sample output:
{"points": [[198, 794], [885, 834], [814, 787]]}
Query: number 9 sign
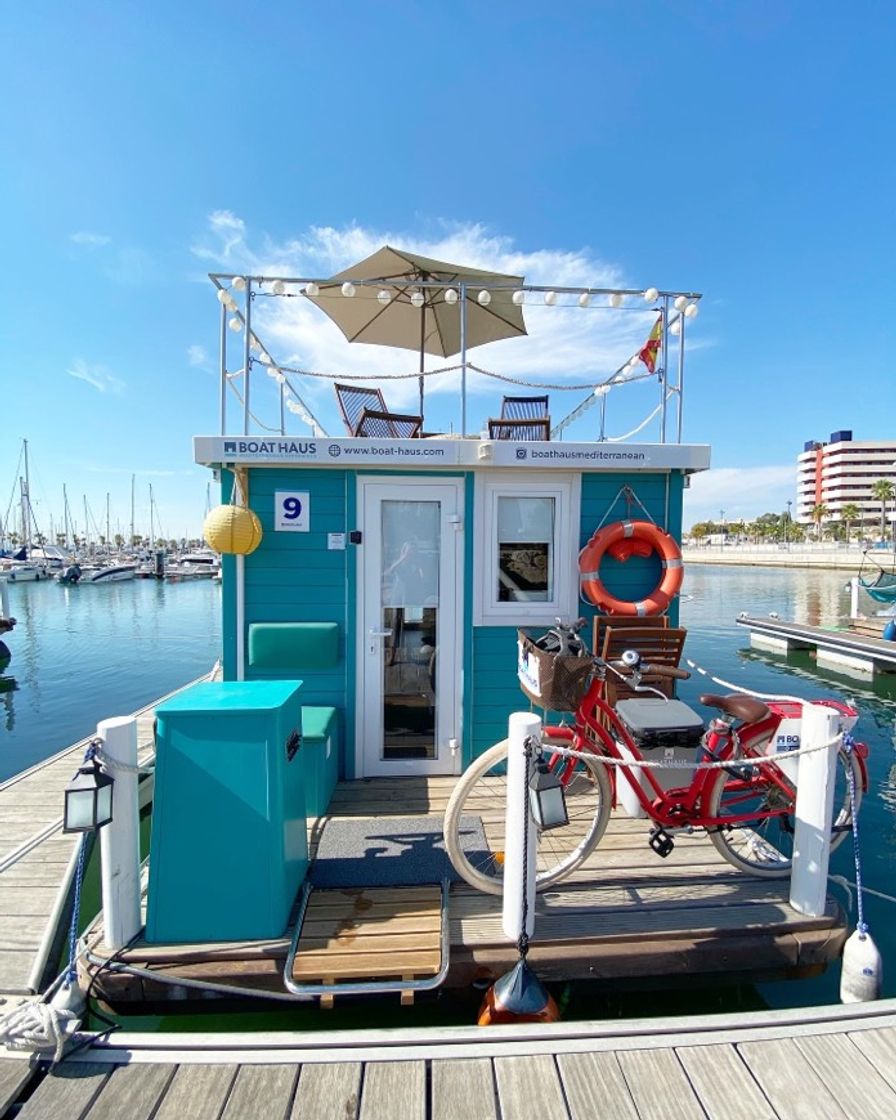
{"points": [[292, 511]]}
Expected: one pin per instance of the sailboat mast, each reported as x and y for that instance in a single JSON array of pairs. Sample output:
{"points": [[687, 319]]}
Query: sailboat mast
{"points": [[131, 541], [86, 524], [66, 518], [108, 537], [152, 536], [26, 503]]}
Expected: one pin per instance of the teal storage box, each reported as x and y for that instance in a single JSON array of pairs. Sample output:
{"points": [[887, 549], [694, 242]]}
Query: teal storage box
{"points": [[229, 845], [321, 745]]}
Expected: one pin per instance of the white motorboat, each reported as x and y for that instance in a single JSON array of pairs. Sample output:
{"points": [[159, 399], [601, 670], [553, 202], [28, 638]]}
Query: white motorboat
{"points": [[22, 571], [107, 573], [201, 564]]}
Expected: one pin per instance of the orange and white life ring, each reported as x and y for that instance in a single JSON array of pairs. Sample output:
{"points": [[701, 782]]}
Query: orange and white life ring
{"points": [[622, 540]]}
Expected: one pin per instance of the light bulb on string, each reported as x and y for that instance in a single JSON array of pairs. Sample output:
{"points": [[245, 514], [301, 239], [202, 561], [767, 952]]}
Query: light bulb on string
{"points": [[675, 328], [235, 324], [519, 297], [651, 294], [550, 298], [691, 311], [451, 296], [584, 299], [680, 303], [383, 297], [278, 287], [348, 289], [264, 358], [417, 299], [311, 289], [254, 344], [239, 283], [223, 295], [484, 298], [230, 303], [615, 299]]}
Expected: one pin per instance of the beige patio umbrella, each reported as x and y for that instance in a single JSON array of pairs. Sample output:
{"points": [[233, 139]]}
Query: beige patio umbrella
{"points": [[395, 311]]}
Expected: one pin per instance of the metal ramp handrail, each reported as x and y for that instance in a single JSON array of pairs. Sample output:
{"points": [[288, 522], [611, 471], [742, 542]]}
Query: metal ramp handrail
{"points": [[368, 987]]}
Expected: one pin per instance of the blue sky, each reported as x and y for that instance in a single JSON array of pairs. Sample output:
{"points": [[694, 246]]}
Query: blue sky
{"points": [[743, 150]]}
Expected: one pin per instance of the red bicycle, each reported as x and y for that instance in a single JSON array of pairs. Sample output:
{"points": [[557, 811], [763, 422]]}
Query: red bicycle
{"points": [[746, 809]]}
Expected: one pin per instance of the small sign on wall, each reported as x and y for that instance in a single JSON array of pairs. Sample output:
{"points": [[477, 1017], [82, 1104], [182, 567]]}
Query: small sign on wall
{"points": [[292, 511]]}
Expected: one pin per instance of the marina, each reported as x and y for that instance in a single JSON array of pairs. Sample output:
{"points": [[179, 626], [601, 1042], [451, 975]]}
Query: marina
{"points": [[860, 650]]}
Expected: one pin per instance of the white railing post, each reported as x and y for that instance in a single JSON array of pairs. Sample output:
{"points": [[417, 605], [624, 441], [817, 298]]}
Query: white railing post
{"points": [[120, 838], [519, 857], [814, 806], [854, 597]]}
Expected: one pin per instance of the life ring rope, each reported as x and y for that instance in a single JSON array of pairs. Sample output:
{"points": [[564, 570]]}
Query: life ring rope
{"points": [[609, 539]]}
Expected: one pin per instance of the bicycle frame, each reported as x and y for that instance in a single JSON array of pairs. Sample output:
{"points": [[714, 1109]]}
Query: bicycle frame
{"points": [[685, 805]]}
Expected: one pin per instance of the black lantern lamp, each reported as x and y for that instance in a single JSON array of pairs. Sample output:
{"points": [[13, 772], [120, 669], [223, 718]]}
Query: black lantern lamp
{"points": [[88, 798], [546, 798]]}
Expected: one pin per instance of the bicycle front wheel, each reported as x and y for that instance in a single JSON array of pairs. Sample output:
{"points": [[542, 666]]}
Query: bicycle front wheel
{"points": [[764, 846], [481, 792]]}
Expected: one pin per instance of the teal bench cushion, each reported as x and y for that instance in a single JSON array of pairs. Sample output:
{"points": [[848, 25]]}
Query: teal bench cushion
{"points": [[290, 646], [321, 747]]}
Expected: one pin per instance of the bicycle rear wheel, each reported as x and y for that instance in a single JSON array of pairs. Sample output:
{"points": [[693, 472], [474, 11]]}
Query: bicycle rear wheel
{"points": [[481, 792], [765, 847]]}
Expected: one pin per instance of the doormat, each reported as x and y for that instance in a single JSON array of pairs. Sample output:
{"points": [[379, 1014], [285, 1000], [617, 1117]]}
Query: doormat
{"points": [[389, 851]]}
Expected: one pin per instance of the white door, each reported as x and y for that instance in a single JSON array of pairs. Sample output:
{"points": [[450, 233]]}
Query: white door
{"points": [[410, 589]]}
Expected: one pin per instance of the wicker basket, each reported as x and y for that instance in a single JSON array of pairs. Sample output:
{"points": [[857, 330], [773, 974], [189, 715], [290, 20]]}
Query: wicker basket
{"points": [[552, 681]]}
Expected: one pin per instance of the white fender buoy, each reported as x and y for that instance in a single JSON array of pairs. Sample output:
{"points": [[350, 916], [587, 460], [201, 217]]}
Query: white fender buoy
{"points": [[861, 971]]}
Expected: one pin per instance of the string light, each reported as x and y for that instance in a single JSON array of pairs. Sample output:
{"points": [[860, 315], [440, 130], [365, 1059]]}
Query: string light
{"points": [[223, 296], [519, 297], [383, 297], [278, 287], [651, 294], [239, 283], [675, 328], [584, 299], [691, 311], [312, 290], [550, 298], [680, 303], [451, 296], [235, 324], [348, 289], [417, 299], [484, 298], [615, 300]]}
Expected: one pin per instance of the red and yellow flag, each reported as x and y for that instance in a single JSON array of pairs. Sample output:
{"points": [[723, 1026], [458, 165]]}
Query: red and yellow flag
{"points": [[651, 349]]}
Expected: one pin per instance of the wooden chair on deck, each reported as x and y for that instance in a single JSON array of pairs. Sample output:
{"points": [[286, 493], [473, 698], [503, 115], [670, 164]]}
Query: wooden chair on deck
{"points": [[365, 413], [658, 645], [522, 418]]}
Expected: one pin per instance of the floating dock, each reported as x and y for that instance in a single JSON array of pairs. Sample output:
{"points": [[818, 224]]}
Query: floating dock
{"points": [[855, 652], [833, 1062], [624, 914]]}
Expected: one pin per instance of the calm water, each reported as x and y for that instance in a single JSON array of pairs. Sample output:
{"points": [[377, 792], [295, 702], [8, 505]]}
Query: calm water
{"points": [[82, 654]]}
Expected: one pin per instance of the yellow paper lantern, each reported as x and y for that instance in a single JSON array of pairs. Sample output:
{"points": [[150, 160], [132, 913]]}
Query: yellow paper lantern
{"points": [[232, 529]]}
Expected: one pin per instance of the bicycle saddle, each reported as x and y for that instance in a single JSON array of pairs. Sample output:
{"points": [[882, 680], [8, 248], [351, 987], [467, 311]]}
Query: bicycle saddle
{"points": [[741, 707]]}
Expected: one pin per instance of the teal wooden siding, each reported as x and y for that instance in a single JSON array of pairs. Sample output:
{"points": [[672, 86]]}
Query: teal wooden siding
{"points": [[495, 692], [294, 577]]}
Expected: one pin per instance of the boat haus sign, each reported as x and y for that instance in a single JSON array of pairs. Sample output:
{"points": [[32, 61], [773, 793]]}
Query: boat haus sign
{"points": [[347, 452]]}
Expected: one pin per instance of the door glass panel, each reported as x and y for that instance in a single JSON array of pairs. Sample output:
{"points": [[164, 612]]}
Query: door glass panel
{"points": [[525, 550], [411, 543]]}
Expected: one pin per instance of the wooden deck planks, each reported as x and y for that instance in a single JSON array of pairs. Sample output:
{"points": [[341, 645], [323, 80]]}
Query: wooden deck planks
{"points": [[393, 1090], [723, 1083], [851, 1079], [15, 1073], [788, 1080], [197, 1092], [659, 1086], [595, 1087], [328, 1092], [67, 1092], [530, 1086], [879, 1047], [262, 1092], [463, 1089]]}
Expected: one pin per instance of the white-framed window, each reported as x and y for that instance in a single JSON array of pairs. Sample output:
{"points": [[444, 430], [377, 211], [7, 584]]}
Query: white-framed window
{"points": [[526, 548]]}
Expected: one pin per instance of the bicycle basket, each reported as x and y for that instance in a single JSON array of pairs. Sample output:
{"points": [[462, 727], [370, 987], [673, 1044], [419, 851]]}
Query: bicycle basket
{"points": [[553, 681]]}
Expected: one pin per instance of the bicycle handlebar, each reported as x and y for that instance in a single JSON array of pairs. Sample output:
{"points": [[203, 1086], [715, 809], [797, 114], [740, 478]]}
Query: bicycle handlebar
{"points": [[653, 670]]}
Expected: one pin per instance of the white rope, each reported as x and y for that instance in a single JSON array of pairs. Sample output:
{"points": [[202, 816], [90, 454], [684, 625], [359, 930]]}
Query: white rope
{"points": [[107, 763], [634, 431], [740, 688], [38, 1027], [683, 764], [846, 884]]}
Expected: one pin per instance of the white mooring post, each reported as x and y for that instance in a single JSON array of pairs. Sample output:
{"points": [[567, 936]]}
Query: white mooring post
{"points": [[814, 805], [854, 597], [519, 858], [120, 838]]}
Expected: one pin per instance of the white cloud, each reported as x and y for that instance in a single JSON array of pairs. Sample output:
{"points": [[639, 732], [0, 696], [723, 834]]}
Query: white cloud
{"points": [[197, 356], [96, 375], [742, 492], [91, 240], [566, 344]]}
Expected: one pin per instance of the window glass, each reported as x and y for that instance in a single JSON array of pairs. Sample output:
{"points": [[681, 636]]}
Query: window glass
{"points": [[525, 532]]}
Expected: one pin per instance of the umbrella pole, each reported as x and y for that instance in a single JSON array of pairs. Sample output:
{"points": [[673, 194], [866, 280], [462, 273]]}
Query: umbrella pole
{"points": [[422, 341]]}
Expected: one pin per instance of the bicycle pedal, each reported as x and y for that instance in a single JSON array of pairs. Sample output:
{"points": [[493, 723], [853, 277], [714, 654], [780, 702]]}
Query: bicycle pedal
{"points": [[661, 842]]}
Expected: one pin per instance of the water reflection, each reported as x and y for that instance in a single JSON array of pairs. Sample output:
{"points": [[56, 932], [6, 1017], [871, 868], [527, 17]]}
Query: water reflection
{"points": [[8, 686]]}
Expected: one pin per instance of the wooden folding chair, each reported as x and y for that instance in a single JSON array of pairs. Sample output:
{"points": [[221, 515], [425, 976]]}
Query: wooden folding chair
{"points": [[522, 418], [365, 413], [657, 645]]}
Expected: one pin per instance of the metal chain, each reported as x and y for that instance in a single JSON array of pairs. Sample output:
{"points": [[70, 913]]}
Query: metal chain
{"points": [[861, 924], [71, 973], [522, 944]]}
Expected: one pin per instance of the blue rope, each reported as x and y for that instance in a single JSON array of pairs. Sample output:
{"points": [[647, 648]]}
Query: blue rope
{"points": [[849, 747], [71, 973]]}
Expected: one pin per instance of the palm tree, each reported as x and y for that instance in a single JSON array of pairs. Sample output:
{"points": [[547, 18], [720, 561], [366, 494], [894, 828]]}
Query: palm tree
{"points": [[882, 490], [849, 513], [819, 512]]}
